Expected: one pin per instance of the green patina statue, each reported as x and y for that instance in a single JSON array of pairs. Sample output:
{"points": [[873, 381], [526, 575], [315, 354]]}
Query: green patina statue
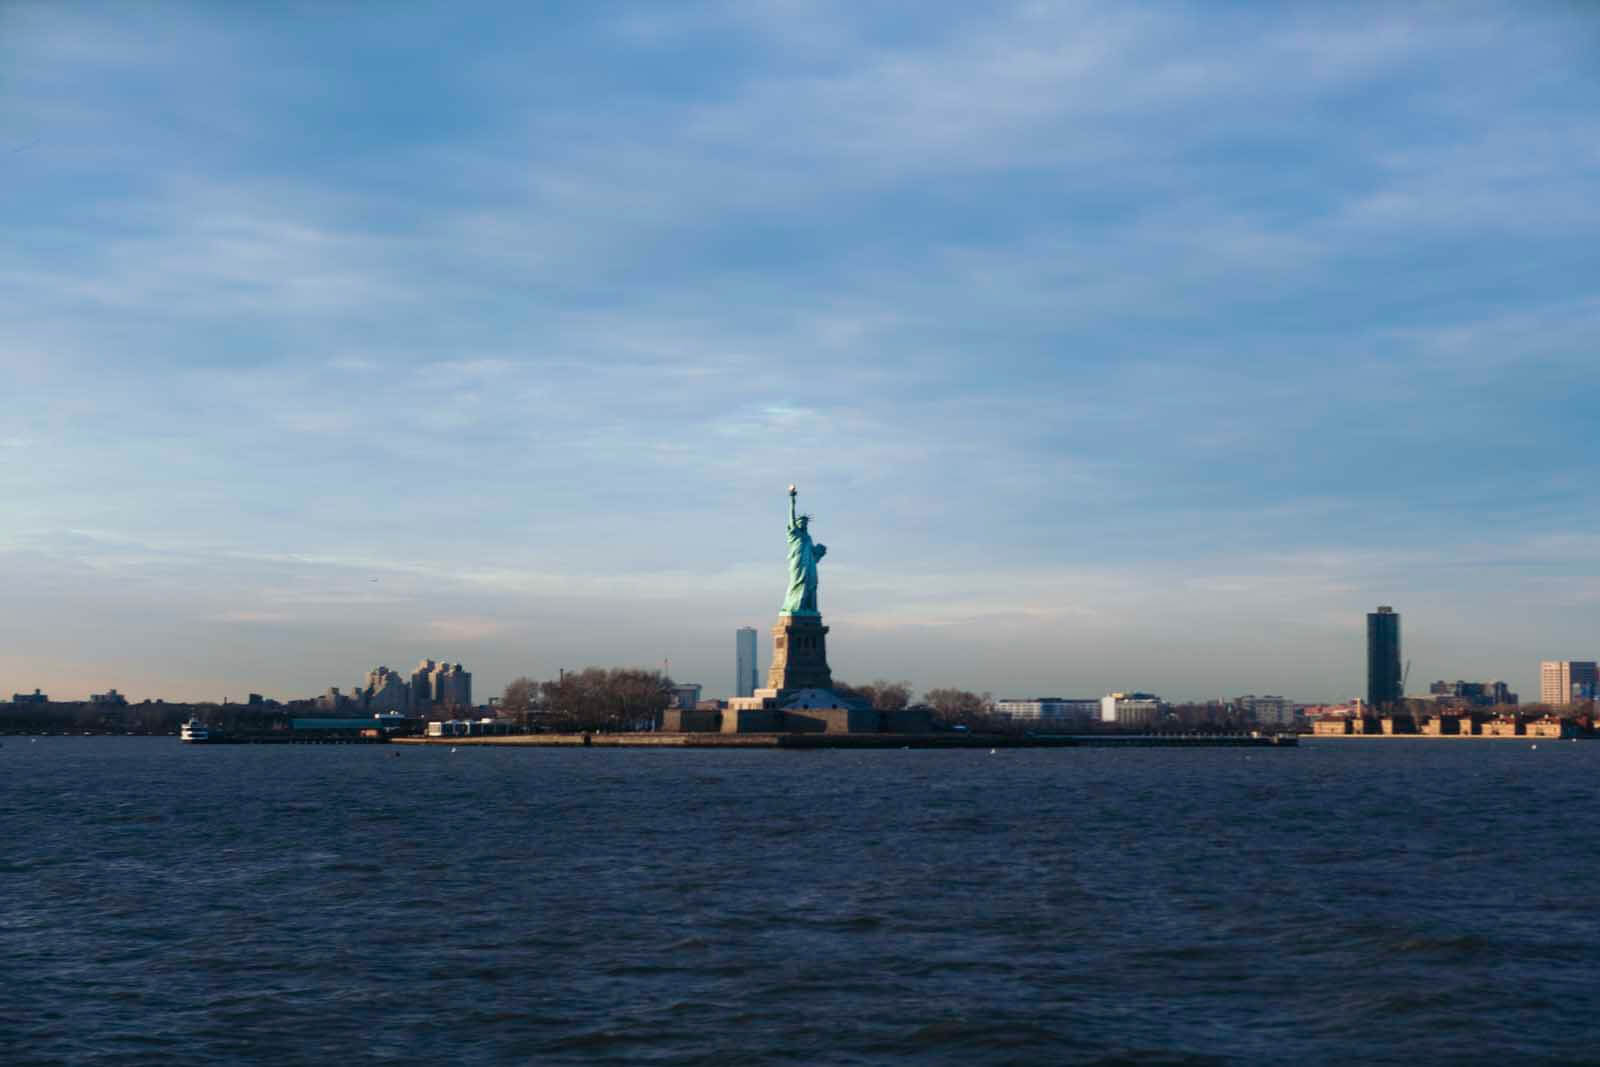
{"points": [[803, 559]]}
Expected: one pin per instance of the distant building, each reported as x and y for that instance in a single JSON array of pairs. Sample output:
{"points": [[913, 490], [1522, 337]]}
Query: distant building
{"points": [[109, 699], [686, 696], [334, 701], [34, 697], [1498, 692], [1353, 709], [422, 684], [1130, 709], [1563, 681], [1383, 659], [452, 686], [744, 656], [1267, 710], [1048, 710], [1462, 694], [387, 692]]}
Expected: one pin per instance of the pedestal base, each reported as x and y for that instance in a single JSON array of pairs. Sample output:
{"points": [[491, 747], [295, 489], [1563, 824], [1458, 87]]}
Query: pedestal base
{"points": [[799, 654], [799, 696]]}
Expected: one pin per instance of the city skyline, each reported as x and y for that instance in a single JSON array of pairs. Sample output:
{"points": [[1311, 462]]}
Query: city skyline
{"points": [[1117, 347], [423, 684]]}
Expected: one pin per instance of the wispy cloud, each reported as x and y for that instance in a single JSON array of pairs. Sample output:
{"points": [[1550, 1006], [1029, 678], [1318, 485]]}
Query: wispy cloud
{"points": [[466, 629]]}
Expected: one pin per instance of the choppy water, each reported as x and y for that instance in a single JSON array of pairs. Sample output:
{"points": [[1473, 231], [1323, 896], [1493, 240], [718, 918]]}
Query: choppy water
{"points": [[1344, 902]]}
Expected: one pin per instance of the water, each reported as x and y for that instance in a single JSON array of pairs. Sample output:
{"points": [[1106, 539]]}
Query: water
{"points": [[1344, 902]]}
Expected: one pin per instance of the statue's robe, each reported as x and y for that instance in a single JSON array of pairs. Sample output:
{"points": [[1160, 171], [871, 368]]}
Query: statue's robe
{"points": [[803, 556]]}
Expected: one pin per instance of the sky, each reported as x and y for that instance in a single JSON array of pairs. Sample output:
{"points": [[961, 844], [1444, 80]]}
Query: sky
{"points": [[1111, 346]]}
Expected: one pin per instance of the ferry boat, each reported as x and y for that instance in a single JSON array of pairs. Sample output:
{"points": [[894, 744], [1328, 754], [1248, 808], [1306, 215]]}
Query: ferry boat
{"points": [[194, 730]]}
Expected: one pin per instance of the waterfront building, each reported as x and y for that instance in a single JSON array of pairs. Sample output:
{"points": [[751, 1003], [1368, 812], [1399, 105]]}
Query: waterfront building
{"points": [[1267, 710], [34, 697], [1350, 709], [110, 698], [1130, 709], [1352, 718], [1563, 681], [1056, 710], [744, 658], [1447, 725], [686, 696], [1383, 659]]}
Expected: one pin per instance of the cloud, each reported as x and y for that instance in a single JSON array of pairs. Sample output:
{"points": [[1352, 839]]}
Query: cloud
{"points": [[255, 617], [1476, 347], [1082, 325], [466, 629], [212, 249]]}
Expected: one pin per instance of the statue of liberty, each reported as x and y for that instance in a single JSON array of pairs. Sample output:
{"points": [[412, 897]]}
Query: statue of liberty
{"points": [[803, 558]]}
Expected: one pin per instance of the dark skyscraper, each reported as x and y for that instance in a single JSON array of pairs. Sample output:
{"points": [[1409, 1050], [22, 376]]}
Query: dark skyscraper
{"points": [[1383, 659], [744, 677]]}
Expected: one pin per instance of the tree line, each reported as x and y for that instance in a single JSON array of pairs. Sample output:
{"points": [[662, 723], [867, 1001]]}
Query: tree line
{"points": [[632, 698], [595, 698]]}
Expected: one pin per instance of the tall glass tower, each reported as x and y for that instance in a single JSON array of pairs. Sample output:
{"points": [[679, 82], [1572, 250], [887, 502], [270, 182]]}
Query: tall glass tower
{"points": [[744, 678], [1383, 659]]}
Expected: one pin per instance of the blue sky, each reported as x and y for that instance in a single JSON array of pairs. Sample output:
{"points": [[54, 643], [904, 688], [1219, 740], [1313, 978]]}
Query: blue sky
{"points": [[1112, 345]]}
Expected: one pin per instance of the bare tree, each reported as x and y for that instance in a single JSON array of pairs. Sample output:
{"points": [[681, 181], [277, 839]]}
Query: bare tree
{"points": [[882, 694], [958, 705], [597, 698], [519, 698]]}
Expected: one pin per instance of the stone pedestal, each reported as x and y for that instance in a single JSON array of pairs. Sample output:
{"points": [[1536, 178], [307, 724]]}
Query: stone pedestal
{"points": [[799, 654], [836, 720], [799, 696], [687, 721], [764, 720]]}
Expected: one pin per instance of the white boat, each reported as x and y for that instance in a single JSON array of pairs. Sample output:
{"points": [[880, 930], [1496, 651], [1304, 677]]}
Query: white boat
{"points": [[194, 730]]}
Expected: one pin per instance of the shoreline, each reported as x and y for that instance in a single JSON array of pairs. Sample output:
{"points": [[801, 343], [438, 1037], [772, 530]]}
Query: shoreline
{"points": [[1438, 737], [860, 741]]}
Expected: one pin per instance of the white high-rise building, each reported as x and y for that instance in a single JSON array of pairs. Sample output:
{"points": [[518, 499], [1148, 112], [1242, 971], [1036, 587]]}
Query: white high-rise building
{"points": [[1130, 709], [745, 680], [1561, 681]]}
